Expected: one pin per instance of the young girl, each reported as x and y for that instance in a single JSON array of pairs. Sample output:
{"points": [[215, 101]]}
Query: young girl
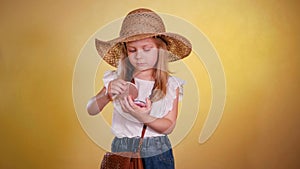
{"points": [[141, 55]]}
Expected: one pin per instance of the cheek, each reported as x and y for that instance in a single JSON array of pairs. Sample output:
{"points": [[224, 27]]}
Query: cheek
{"points": [[153, 57], [131, 59], [152, 60]]}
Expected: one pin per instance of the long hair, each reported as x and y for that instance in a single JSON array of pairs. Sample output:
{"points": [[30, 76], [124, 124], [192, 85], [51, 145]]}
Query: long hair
{"points": [[160, 73]]}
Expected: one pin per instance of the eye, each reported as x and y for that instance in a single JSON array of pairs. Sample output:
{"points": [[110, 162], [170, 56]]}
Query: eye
{"points": [[131, 50], [148, 48]]}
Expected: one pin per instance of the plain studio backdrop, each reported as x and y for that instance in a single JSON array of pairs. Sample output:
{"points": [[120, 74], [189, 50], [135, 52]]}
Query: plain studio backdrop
{"points": [[258, 45]]}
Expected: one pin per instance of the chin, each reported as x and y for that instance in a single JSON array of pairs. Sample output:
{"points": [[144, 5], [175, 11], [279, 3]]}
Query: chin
{"points": [[144, 69], [141, 68]]}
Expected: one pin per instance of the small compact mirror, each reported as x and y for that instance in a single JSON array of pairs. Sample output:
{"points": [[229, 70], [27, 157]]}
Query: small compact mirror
{"points": [[131, 89]]}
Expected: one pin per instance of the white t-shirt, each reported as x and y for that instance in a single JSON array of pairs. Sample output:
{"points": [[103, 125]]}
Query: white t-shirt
{"points": [[125, 125]]}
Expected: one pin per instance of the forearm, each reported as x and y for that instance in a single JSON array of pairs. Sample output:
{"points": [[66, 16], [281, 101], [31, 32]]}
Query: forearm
{"points": [[164, 125], [160, 125], [98, 102]]}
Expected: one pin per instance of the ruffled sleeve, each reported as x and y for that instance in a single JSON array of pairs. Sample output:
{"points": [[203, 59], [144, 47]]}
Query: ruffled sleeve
{"points": [[173, 84], [109, 76], [163, 106]]}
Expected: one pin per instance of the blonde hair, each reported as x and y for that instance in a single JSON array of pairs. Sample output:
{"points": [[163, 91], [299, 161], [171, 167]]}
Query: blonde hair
{"points": [[160, 74]]}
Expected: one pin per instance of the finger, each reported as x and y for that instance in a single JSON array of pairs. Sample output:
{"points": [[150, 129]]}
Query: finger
{"points": [[148, 103], [130, 101], [127, 104], [116, 90], [124, 105], [121, 85], [123, 82], [118, 82]]}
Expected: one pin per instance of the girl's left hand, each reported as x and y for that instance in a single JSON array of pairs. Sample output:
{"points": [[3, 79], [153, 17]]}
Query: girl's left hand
{"points": [[141, 113]]}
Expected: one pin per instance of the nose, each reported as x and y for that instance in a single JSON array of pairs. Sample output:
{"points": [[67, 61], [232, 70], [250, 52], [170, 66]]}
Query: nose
{"points": [[138, 54]]}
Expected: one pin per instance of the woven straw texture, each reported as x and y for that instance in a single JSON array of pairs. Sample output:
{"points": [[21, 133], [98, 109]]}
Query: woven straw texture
{"points": [[139, 24], [122, 160]]}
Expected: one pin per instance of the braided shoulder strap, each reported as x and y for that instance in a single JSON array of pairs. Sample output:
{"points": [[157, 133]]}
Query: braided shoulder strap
{"points": [[141, 139]]}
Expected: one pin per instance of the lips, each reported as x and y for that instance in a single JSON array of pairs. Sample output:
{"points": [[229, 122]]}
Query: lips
{"points": [[140, 64]]}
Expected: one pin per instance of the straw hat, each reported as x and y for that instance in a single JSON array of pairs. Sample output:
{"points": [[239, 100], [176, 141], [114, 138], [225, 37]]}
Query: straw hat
{"points": [[139, 24]]}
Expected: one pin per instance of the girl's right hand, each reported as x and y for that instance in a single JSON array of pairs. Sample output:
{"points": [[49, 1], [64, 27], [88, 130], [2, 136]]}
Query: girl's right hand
{"points": [[116, 87]]}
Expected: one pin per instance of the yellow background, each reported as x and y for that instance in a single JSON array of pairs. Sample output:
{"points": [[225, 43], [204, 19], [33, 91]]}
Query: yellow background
{"points": [[258, 44]]}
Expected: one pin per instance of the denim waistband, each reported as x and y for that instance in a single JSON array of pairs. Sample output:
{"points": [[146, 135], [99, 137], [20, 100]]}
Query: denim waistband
{"points": [[151, 145]]}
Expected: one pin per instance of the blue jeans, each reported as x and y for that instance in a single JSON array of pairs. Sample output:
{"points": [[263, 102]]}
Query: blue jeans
{"points": [[161, 161], [156, 151]]}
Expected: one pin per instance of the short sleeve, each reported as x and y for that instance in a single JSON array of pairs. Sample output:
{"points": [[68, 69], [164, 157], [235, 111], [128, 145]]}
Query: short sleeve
{"points": [[173, 84], [163, 106], [109, 76]]}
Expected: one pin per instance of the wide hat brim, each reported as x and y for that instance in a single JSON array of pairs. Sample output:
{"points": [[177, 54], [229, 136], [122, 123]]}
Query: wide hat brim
{"points": [[111, 51]]}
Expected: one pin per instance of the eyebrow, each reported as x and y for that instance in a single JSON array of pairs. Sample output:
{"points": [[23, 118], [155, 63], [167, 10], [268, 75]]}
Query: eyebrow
{"points": [[146, 45]]}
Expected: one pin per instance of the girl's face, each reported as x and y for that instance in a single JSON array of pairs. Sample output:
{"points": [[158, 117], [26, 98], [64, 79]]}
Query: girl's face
{"points": [[143, 53]]}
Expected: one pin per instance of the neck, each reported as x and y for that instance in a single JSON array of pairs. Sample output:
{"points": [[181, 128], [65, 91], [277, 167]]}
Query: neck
{"points": [[145, 74]]}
